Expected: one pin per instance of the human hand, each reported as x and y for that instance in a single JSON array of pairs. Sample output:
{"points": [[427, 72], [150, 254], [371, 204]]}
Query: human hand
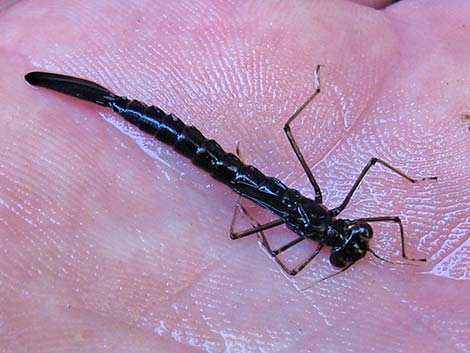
{"points": [[110, 240]]}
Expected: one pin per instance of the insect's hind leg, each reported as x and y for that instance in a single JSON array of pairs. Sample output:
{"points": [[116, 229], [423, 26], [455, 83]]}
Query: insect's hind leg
{"points": [[336, 211], [300, 267], [293, 143], [259, 228], [255, 229]]}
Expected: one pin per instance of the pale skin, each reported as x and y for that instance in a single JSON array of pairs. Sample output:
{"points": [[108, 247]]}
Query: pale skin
{"points": [[110, 241]]}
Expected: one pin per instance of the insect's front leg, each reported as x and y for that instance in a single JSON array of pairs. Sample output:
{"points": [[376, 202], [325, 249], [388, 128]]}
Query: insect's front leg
{"points": [[336, 211]]}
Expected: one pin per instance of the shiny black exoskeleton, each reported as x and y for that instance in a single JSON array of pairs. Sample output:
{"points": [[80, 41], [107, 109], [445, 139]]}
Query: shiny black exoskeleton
{"points": [[309, 218]]}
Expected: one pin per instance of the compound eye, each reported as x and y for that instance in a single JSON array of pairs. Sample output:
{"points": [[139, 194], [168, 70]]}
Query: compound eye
{"points": [[363, 231], [338, 258]]}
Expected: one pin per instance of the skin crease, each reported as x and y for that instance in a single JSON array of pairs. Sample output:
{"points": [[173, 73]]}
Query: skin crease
{"points": [[110, 241]]}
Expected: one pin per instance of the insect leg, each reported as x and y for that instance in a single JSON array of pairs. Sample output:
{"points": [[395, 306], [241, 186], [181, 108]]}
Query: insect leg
{"points": [[255, 229], [290, 137], [336, 211], [402, 233], [300, 267], [259, 228], [287, 246]]}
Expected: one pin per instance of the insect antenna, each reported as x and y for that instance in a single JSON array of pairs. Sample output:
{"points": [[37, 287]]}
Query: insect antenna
{"points": [[327, 277]]}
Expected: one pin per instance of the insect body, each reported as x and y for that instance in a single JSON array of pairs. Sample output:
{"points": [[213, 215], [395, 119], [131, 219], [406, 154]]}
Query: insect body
{"points": [[308, 218]]}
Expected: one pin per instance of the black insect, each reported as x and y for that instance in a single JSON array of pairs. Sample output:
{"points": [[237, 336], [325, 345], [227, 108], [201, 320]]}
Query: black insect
{"points": [[308, 218]]}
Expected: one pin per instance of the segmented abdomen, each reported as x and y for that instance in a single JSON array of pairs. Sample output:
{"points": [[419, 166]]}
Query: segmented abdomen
{"points": [[209, 155]]}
